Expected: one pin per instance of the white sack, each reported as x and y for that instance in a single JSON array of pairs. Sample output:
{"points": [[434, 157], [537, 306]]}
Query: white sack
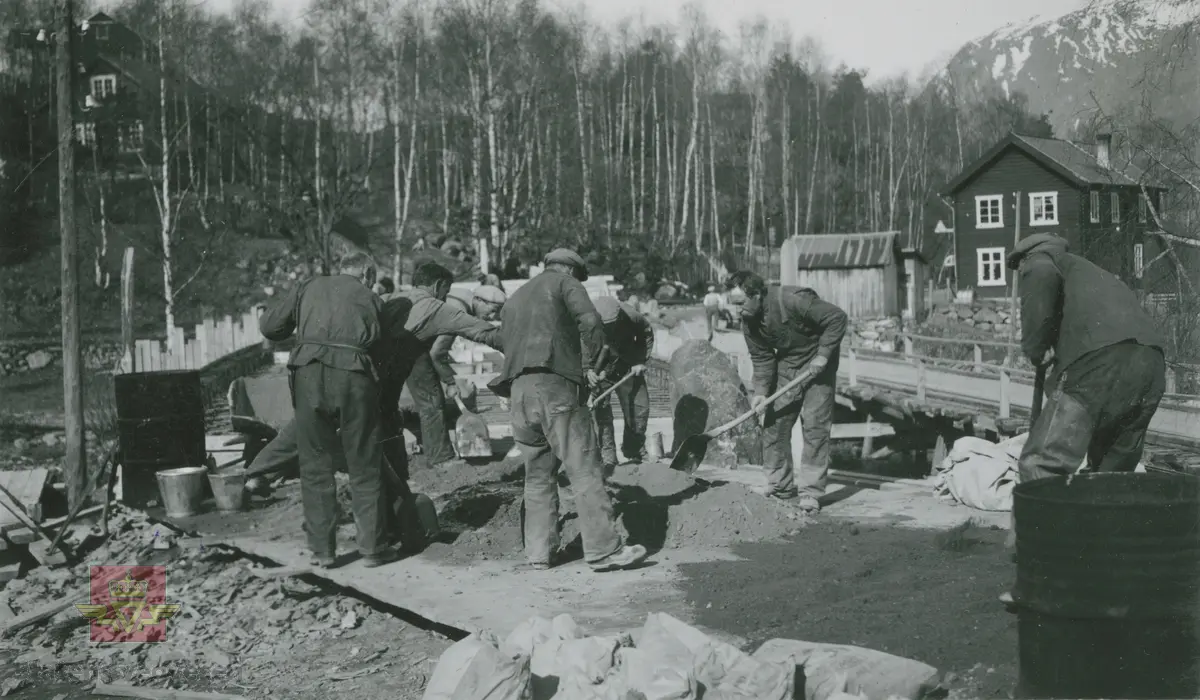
{"points": [[725, 671], [831, 669], [526, 636], [476, 669], [644, 673]]}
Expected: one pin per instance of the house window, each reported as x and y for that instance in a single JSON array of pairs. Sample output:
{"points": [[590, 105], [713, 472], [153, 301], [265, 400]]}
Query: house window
{"points": [[1138, 253], [1114, 205], [102, 32], [85, 133], [131, 137], [1043, 209], [1094, 211], [990, 267], [1142, 208], [988, 212], [103, 86]]}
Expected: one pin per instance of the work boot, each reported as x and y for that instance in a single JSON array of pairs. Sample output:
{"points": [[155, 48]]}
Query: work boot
{"points": [[258, 486], [322, 561], [809, 505], [387, 556], [624, 558]]}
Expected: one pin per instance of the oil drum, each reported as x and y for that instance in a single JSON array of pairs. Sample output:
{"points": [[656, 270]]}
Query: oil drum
{"points": [[160, 425], [1108, 586]]}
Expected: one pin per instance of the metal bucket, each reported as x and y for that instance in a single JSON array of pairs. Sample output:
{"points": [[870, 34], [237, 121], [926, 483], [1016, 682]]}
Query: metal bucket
{"points": [[182, 490], [229, 490]]}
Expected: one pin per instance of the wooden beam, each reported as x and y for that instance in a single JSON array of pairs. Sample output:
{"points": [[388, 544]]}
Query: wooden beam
{"points": [[861, 431]]}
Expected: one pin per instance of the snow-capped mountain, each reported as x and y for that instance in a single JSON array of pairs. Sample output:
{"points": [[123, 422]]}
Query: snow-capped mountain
{"points": [[1108, 56]]}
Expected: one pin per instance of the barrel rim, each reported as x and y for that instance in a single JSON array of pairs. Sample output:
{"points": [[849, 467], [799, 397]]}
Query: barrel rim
{"points": [[158, 373], [1028, 491]]}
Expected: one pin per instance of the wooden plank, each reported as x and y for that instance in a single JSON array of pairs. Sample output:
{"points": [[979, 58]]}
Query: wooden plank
{"points": [[859, 431], [9, 572], [26, 486], [45, 612], [41, 551], [20, 535], [125, 690]]}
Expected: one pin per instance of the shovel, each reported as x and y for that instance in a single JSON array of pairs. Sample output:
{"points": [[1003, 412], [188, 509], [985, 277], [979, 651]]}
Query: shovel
{"points": [[604, 394], [692, 450], [1039, 394], [471, 434]]}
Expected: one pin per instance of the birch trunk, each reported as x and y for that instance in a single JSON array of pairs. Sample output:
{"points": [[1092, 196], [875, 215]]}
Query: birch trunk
{"points": [[583, 150], [164, 207]]}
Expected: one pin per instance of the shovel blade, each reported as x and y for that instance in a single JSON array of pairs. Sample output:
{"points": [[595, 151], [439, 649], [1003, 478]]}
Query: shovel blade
{"points": [[690, 453], [471, 437]]}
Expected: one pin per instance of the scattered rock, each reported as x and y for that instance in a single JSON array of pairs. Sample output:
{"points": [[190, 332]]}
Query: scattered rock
{"points": [[12, 685], [349, 620], [20, 444], [38, 359]]}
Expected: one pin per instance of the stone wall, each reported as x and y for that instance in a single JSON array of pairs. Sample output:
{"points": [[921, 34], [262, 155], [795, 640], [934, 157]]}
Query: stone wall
{"points": [[982, 320], [34, 355]]}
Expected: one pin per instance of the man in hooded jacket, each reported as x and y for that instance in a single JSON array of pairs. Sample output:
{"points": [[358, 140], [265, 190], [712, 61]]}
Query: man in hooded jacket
{"points": [[1108, 372]]}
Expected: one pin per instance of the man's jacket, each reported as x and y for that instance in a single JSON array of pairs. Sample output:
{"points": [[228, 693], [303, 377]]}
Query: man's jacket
{"points": [[336, 321], [796, 326], [1073, 306], [430, 319], [551, 325], [630, 341]]}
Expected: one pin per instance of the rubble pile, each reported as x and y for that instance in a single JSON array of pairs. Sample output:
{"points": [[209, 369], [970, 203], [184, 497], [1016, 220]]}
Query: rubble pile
{"points": [[984, 316], [235, 618]]}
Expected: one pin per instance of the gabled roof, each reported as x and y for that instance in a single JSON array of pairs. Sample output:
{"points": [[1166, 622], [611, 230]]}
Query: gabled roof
{"points": [[100, 17], [1074, 162], [846, 250]]}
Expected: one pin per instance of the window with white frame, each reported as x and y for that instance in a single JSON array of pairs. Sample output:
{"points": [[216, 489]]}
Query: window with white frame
{"points": [[1114, 206], [989, 211], [990, 267], [103, 86], [85, 133], [131, 137], [1160, 202], [1138, 260], [1043, 208], [1094, 207]]}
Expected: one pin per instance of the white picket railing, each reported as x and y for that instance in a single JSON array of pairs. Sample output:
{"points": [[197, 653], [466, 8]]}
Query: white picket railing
{"points": [[206, 343]]}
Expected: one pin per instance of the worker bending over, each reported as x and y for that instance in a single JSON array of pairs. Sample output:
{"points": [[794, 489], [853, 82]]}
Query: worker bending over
{"points": [[791, 332], [1108, 369], [335, 391], [484, 304], [630, 339], [554, 340], [430, 381], [394, 355]]}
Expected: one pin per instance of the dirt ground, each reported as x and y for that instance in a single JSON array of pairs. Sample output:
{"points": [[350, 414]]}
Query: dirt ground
{"points": [[924, 595]]}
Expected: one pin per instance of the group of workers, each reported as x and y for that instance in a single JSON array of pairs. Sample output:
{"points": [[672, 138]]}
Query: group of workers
{"points": [[359, 343], [356, 348]]}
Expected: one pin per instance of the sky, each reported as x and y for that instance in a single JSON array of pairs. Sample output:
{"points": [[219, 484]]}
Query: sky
{"points": [[886, 37]]}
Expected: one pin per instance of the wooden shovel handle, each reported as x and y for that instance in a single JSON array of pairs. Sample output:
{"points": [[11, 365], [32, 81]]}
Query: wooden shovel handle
{"points": [[461, 407], [604, 394], [720, 429]]}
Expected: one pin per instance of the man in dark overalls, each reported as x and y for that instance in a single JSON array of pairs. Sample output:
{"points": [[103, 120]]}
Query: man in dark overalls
{"points": [[791, 332], [630, 340], [335, 389]]}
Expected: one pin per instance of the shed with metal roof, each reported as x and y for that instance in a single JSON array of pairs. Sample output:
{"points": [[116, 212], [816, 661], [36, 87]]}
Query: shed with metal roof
{"points": [[863, 273]]}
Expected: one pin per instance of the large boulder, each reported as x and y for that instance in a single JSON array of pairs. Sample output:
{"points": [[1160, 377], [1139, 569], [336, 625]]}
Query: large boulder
{"points": [[706, 391]]}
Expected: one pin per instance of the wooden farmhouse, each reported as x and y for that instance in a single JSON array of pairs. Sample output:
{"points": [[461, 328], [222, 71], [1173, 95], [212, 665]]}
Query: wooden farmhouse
{"points": [[869, 275], [1026, 185]]}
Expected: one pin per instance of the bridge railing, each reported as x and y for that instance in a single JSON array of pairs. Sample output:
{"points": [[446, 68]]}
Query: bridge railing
{"points": [[975, 358]]}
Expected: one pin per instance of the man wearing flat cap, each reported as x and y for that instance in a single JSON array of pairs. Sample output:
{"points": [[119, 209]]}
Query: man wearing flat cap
{"points": [[553, 339], [1108, 371], [630, 339]]}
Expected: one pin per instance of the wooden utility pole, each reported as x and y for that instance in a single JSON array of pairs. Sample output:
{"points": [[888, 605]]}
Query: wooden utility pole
{"points": [[1014, 332], [75, 464]]}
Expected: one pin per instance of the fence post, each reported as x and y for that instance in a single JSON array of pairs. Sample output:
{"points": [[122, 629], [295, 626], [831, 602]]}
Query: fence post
{"points": [[920, 380], [978, 349], [853, 366], [908, 347], [1171, 380], [1005, 391]]}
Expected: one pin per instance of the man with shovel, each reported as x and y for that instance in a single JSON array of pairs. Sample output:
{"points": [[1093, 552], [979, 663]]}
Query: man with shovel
{"points": [[555, 340], [431, 383], [791, 332], [631, 343]]}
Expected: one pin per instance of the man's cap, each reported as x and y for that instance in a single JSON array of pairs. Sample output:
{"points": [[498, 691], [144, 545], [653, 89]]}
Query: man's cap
{"points": [[566, 256], [609, 309], [711, 288], [490, 294]]}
